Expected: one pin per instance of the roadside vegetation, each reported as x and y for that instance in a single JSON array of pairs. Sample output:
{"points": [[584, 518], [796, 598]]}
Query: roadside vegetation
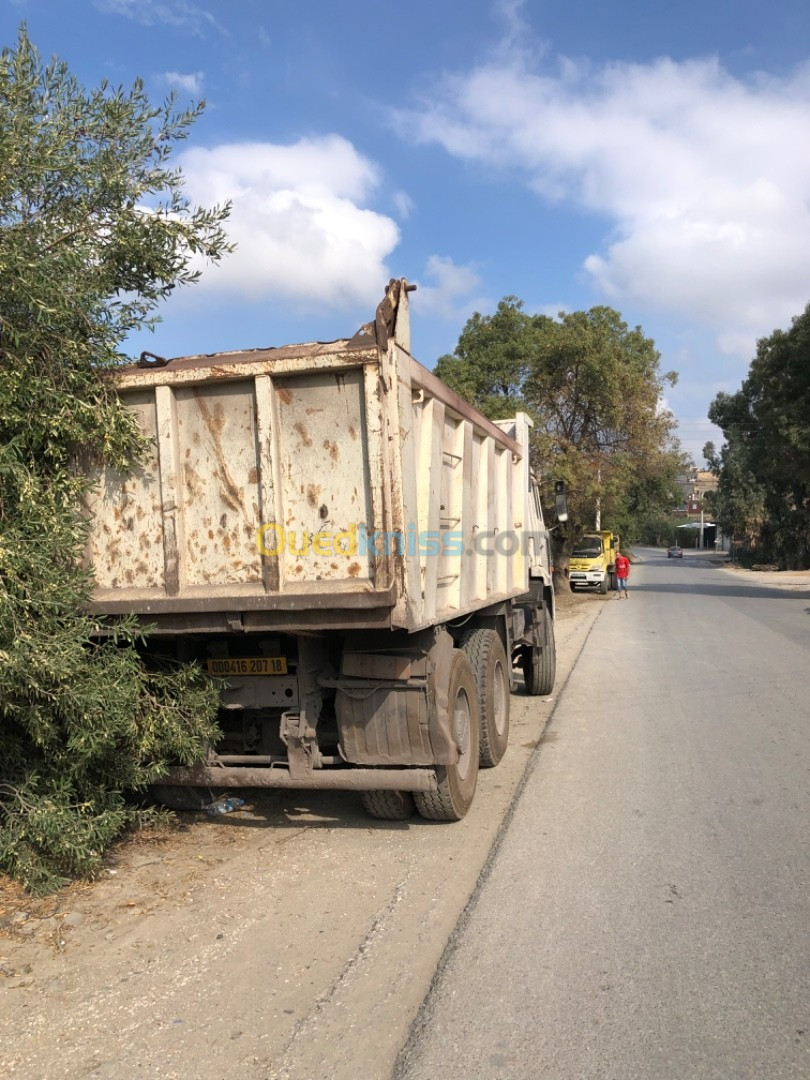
{"points": [[94, 233], [763, 468], [593, 388]]}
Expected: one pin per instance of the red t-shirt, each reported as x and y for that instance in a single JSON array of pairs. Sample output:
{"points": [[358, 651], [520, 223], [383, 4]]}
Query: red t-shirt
{"points": [[622, 566]]}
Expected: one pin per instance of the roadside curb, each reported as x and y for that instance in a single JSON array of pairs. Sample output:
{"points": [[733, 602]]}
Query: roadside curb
{"points": [[578, 640]]}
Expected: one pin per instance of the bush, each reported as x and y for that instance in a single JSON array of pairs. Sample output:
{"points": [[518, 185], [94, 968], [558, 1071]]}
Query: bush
{"points": [[84, 263]]}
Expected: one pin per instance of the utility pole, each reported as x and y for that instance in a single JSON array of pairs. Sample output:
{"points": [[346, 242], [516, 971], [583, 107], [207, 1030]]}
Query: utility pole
{"points": [[599, 499]]}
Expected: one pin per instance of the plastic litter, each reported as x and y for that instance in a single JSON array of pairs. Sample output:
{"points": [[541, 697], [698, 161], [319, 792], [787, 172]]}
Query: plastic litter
{"points": [[224, 805]]}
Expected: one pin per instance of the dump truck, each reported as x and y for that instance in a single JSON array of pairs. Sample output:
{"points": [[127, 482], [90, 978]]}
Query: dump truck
{"points": [[353, 552], [591, 565]]}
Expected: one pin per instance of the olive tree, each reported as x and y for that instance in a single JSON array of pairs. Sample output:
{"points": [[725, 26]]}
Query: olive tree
{"points": [[593, 387], [94, 232]]}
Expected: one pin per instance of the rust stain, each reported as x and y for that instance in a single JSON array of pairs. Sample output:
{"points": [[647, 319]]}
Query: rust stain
{"points": [[311, 410], [331, 448], [210, 534], [303, 434], [215, 422], [353, 432], [285, 395], [253, 475], [313, 491], [354, 569], [192, 480], [333, 565], [226, 543]]}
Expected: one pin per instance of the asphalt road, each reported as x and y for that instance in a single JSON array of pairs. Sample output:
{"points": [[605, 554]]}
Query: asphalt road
{"points": [[645, 914]]}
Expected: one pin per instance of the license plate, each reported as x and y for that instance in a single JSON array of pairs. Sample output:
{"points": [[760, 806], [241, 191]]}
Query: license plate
{"points": [[248, 665]]}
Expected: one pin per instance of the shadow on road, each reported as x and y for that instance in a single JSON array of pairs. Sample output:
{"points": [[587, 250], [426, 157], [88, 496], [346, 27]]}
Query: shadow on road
{"points": [[751, 592]]}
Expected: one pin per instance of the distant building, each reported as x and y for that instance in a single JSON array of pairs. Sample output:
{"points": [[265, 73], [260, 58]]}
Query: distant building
{"points": [[697, 530], [693, 486]]}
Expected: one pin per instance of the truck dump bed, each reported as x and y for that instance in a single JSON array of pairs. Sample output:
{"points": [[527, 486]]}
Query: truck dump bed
{"points": [[274, 474]]}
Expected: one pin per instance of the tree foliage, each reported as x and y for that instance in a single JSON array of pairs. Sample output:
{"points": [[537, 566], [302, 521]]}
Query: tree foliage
{"points": [[593, 388], [94, 232], [763, 468]]}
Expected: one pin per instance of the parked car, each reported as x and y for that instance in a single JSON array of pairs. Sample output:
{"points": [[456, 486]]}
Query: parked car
{"points": [[674, 552]]}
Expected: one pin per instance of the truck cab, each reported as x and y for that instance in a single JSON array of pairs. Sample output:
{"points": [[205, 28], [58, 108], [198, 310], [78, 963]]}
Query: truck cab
{"points": [[591, 565]]}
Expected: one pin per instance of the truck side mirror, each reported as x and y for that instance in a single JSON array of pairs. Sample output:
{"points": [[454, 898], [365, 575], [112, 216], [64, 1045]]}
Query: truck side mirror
{"points": [[560, 501]]}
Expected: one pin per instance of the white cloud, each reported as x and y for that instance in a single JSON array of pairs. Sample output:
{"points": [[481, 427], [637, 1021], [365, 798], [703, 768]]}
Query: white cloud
{"points": [[189, 84], [447, 290], [705, 178], [299, 218], [553, 311], [179, 13], [403, 204]]}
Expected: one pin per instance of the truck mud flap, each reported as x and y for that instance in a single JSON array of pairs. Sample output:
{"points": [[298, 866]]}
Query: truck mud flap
{"points": [[392, 709]]}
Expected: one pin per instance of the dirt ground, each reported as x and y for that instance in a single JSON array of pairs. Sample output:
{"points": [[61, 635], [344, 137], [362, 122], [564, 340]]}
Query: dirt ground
{"points": [[785, 579]]}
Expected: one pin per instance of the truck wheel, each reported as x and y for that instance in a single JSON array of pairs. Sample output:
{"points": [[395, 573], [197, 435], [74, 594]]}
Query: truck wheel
{"points": [[540, 665], [457, 782], [613, 583], [573, 587], [388, 805], [604, 585], [487, 657]]}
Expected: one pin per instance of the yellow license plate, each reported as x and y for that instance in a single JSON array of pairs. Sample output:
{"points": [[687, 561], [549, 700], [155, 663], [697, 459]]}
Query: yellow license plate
{"points": [[248, 665]]}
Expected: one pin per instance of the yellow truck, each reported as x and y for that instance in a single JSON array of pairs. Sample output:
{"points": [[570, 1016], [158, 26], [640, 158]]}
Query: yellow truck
{"points": [[591, 565]]}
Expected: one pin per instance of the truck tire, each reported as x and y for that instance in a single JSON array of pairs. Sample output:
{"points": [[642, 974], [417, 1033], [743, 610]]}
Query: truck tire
{"points": [[613, 583], [540, 664], [388, 805], [487, 657], [573, 587], [604, 585], [457, 782]]}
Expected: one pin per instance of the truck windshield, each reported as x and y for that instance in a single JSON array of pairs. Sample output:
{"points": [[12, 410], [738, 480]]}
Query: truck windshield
{"points": [[588, 548]]}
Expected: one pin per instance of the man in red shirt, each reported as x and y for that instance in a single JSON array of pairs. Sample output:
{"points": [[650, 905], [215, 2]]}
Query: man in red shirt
{"points": [[622, 567]]}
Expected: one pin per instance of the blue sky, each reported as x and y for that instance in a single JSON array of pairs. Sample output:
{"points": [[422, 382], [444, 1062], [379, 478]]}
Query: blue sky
{"points": [[647, 155]]}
